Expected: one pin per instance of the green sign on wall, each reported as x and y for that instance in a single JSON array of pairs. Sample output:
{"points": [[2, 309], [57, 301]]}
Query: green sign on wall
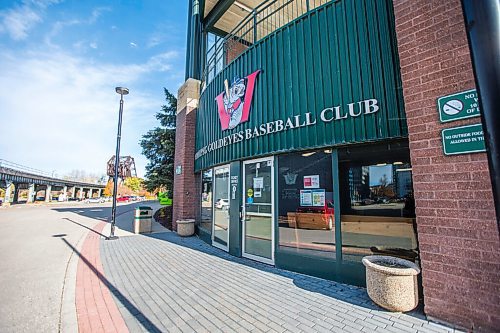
{"points": [[463, 140], [458, 106]]}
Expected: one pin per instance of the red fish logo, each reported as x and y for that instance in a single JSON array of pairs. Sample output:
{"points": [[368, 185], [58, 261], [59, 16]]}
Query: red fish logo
{"points": [[235, 101]]}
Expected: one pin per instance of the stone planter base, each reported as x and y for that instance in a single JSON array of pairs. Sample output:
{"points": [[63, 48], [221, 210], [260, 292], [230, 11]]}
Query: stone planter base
{"points": [[185, 228], [393, 288]]}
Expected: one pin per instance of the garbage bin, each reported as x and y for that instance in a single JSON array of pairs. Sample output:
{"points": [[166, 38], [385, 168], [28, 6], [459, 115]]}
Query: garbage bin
{"points": [[143, 219]]}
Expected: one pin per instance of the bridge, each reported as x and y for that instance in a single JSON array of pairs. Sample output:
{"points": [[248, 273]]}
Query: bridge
{"points": [[16, 178]]}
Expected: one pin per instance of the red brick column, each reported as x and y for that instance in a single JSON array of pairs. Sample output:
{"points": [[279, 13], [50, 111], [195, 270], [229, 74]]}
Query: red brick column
{"points": [[456, 222], [185, 193]]}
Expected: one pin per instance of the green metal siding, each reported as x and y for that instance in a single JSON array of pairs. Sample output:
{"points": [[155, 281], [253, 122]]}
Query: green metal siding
{"points": [[343, 52]]}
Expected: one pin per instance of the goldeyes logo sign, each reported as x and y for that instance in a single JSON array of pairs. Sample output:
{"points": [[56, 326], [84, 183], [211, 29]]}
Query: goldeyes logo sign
{"points": [[234, 102]]}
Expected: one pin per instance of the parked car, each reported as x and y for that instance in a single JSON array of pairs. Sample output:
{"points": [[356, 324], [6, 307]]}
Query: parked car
{"points": [[222, 204], [123, 199], [94, 200], [313, 217]]}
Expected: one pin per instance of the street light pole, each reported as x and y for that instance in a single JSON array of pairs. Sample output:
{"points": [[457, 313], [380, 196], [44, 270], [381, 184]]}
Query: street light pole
{"points": [[122, 91]]}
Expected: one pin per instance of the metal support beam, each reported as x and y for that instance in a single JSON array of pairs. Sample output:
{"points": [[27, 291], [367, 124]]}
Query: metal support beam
{"points": [[216, 13], [482, 21]]}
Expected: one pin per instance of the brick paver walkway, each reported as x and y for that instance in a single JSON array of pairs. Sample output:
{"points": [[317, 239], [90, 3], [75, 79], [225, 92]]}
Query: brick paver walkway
{"points": [[166, 283], [95, 308]]}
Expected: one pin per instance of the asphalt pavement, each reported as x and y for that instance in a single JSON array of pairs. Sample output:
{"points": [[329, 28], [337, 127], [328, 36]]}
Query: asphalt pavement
{"points": [[36, 261]]}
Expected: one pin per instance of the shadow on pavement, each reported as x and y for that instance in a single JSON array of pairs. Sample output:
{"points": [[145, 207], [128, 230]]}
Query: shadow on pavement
{"points": [[339, 291], [132, 309], [84, 226], [102, 212]]}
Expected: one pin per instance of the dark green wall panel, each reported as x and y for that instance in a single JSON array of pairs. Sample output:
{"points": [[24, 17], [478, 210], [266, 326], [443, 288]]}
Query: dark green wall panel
{"points": [[341, 53]]}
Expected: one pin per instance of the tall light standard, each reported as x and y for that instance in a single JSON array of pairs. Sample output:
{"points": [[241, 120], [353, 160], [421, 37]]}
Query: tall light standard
{"points": [[122, 91]]}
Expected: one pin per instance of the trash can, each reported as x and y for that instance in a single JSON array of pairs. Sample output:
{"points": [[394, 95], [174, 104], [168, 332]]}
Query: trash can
{"points": [[143, 219]]}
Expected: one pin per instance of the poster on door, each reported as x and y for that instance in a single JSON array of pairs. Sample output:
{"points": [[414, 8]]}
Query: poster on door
{"points": [[306, 198], [258, 182], [311, 181], [318, 198]]}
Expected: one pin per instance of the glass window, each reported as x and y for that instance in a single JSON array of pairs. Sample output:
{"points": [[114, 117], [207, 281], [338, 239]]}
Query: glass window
{"points": [[305, 203], [221, 210], [378, 208], [206, 201]]}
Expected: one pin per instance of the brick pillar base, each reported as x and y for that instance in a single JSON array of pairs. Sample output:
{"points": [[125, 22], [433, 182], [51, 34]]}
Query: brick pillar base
{"points": [[185, 194], [456, 221]]}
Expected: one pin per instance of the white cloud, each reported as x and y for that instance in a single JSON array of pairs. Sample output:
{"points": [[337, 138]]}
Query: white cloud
{"points": [[132, 44], [59, 26], [96, 13], [20, 19], [61, 110]]}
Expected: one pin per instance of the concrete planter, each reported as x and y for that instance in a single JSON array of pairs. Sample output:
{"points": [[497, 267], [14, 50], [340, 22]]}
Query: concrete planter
{"points": [[392, 282], [185, 228]]}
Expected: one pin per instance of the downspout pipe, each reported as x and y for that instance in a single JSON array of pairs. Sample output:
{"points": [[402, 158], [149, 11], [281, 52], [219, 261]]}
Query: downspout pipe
{"points": [[193, 41], [188, 41], [482, 22]]}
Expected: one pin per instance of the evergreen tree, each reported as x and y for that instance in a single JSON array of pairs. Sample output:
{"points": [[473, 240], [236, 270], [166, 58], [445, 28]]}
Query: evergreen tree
{"points": [[158, 145]]}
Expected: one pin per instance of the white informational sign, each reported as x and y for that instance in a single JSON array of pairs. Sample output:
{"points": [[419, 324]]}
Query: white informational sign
{"points": [[258, 182], [318, 198], [305, 197], [311, 181], [257, 193]]}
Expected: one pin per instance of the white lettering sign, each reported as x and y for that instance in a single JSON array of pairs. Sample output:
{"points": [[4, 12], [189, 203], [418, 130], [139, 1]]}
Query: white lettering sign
{"points": [[327, 115]]}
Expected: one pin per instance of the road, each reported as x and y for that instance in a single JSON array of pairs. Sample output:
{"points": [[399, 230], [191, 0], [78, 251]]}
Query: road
{"points": [[35, 259]]}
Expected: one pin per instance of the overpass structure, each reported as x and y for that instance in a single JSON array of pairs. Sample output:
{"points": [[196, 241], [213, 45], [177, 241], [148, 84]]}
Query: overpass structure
{"points": [[15, 177]]}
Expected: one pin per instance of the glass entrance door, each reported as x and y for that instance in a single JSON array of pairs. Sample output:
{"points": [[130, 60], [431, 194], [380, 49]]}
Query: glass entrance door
{"points": [[258, 212], [220, 230]]}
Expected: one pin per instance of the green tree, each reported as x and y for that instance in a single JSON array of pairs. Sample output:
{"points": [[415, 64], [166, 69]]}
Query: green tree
{"points": [[158, 145]]}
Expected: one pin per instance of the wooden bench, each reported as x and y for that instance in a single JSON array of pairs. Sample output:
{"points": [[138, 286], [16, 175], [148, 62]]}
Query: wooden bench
{"points": [[310, 221]]}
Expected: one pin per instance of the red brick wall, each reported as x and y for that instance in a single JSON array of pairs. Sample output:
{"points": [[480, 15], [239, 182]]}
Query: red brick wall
{"points": [[234, 49], [457, 230], [185, 193]]}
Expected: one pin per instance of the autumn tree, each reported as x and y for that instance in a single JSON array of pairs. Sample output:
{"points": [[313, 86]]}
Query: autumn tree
{"points": [[158, 145], [108, 190], [134, 183]]}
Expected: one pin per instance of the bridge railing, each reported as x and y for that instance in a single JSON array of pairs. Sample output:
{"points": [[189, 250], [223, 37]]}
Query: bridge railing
{"points": [[19, 167], [36, 172]]}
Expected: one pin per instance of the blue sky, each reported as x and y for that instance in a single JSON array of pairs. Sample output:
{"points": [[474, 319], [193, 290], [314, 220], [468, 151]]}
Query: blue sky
{"points": [[60, 62]]}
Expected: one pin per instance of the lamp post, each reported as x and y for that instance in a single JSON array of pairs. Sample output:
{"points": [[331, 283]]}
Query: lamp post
{"points": [[122, 91]]}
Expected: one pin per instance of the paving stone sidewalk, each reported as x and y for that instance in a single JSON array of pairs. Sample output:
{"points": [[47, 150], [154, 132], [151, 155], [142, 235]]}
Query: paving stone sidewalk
{"points": [[165, 283]]}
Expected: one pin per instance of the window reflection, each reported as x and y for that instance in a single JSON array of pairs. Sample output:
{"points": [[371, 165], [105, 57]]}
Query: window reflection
{"points": [[305, 207], [206, 201], [378, 211]]}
